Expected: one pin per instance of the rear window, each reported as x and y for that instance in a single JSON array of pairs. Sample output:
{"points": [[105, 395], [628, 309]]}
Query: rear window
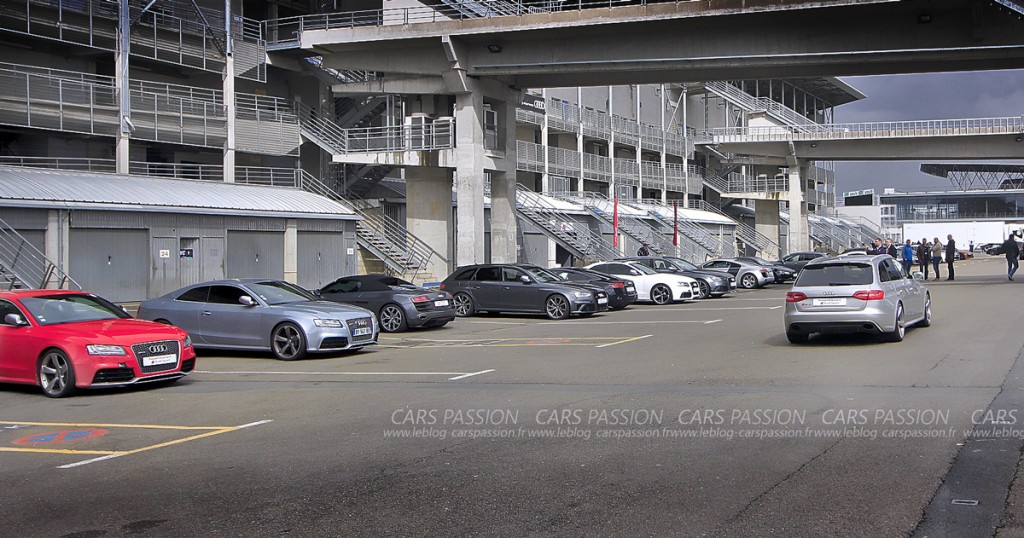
{"points": [[836, 274]]}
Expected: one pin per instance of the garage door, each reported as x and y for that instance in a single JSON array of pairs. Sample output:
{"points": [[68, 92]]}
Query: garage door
{"points": [[111, 263], [255, 254]]}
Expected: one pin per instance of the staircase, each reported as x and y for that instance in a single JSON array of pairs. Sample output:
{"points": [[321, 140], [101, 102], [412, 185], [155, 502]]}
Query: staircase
{"points": [[582, 242], [697, 243], [787, 116], [402, 252], [23, 266], [744, 232], [360, 113]]}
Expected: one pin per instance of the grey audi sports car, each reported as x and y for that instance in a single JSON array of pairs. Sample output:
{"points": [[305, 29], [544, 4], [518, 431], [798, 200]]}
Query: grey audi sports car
{"points": [[520, 288], [399, 304], [263, 314]]}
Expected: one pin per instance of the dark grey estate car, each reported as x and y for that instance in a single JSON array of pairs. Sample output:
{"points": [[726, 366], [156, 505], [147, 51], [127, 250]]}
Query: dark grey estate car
{"points": [[520, 288], [399, 304]]}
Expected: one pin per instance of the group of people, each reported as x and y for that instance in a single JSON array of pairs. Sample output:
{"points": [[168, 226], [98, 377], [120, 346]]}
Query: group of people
{"points": [[926, 253]]}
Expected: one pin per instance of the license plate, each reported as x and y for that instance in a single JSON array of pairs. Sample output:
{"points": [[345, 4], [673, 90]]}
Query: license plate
{"points": [[630, 289], [602, 300], [441, 303], [159, 359], [829, 301], [362, 331]]}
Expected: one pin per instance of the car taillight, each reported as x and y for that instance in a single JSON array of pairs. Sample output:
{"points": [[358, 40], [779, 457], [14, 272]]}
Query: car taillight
{"points": [[441, 286], [764, 271], [421, 299], [618, 284], [869, 295], [795, 297]]}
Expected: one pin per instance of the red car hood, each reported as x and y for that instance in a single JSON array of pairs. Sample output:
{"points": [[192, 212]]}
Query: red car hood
{"points": [[119, 331]]}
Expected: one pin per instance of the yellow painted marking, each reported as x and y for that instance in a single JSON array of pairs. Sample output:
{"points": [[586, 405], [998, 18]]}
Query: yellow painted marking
{"points": [[60, 451], [185, 440], [144, 426]]}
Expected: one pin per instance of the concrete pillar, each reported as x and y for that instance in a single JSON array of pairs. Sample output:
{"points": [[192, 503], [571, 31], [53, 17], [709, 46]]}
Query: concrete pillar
{"points": [[504, 226], [766, 221], [229, 98], [429, 213], [799, 239], [57, 245], [291, 251], [469, 178], [545, 177], [123, 144]]}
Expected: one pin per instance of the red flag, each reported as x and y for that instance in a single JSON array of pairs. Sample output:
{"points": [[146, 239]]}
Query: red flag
{"points": [[615, 223], [675, 223]]}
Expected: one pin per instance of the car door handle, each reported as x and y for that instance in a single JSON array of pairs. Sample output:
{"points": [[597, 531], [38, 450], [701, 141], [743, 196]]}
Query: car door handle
{"points": [[207, 313]]}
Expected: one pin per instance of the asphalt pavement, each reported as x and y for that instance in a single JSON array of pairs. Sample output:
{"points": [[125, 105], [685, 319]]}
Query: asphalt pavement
{"points": [[695, 419]]}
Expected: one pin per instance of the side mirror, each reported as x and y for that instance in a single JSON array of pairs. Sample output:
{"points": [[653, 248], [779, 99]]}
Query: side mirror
{"points": [[525, 279], [918, 276], [634, 272], [15, 320], [247, 301]]}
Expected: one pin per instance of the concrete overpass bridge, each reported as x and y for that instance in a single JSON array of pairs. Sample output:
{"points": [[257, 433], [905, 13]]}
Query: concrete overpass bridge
{"points": [[485, 57]]}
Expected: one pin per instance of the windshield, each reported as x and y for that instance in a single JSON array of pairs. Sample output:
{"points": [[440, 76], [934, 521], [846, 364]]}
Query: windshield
{"points": [[683, 264], [275, 292], [54, 309], [836, 274], [644, 270], [543, 275]]}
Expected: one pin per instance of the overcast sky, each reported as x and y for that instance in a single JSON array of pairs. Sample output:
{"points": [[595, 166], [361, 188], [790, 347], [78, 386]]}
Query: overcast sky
{"points": [[923, 97]]}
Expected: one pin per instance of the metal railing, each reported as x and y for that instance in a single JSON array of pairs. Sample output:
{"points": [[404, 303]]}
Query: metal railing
{"points": [[266, 124], [328, 135], [699, 242], [584, 243], [393, 243], [744, 100], [62, 163], [871, 130], [745, 232], [633, 226], [22, 265]]}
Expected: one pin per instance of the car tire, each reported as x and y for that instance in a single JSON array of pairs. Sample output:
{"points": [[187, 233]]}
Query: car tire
{"points": [[557, 307], [463, 304], [392, 319], [748, 281], [797, 337], [705, 289], [288, 342], [900, 332], [56, 374], [927, 320], [661, 294], [442, 324]]}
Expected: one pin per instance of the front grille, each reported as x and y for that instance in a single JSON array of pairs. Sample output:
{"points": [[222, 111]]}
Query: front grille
{"points": [[360, 323], [152, 349], [334, 342], [188, 365], [113, 375]]}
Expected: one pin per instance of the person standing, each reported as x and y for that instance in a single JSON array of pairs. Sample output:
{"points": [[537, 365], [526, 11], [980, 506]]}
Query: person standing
{"points": [[936, 256], [1012, 251], [908, 257], [950, 256], [643, 250], [924, 255], [876, 248], [890, 249], [971, 246]]}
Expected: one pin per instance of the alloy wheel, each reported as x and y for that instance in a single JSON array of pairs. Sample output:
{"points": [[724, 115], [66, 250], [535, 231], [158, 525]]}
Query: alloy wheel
{"points": [[56, 376], [705, 289], [463, 305], [392, 319], [557, 307], [749, 281], [660, 294], [288, 342]]}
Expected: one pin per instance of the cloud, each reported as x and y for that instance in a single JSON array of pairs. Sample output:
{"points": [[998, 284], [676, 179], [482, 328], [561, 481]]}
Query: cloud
{"points": [[988, 94]]}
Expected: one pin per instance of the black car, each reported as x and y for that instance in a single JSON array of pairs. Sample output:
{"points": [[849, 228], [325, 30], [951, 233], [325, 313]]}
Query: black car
{"points": [[782, 273], [797, 260], [398, 304], [712, 283], [520, 288], [621, 292]]}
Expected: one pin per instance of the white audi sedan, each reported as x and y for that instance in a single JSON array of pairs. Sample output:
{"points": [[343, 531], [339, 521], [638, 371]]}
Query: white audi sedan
{"points": [[658, 288]]}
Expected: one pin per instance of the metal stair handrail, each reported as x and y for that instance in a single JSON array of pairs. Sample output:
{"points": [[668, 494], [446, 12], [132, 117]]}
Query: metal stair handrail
{"points": [[580, 240], [699, 237], [748, 102], [631, 225], [748, 233], [21, 262]]}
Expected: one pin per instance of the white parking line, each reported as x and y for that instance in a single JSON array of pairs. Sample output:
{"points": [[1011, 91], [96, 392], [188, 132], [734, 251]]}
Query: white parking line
{"points": [[464, 376], [497, 322], [588, 322], [699, 309], [87, 462], [340, 373]]}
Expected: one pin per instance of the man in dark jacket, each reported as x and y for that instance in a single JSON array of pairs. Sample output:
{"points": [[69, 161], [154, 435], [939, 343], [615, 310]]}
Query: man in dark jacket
{"points": [[877, 248], [890, 249], [924, 254], [950, 255], [1012, 252]]}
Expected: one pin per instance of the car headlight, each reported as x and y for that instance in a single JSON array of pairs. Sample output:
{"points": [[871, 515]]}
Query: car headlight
{"points": [[104, 349], [581, 294], [187, 343], [683, 284], [327, 322]]}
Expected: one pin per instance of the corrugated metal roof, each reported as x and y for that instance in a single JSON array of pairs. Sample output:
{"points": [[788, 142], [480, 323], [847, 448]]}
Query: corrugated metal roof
{"points": [[29, 187]]}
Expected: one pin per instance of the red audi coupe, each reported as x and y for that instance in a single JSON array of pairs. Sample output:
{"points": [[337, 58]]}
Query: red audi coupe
{"points": [[65, 340]]}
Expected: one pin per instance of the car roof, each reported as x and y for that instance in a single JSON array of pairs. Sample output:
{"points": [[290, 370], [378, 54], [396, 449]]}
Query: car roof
{"points": [[849, 258], [17, 294]]}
